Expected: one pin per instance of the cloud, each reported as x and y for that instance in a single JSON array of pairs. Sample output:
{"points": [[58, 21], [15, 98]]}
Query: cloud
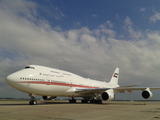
{"points": [[142, 9], [94, 15], [26, 38], [155, 17], [50, 11], [56, 13], [109, 24], [129, 28], [77, 24]]}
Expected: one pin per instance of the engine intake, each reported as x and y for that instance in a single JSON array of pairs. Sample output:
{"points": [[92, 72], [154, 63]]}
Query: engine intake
{"points": [[108, 95], [147, 94], [105, 96]]}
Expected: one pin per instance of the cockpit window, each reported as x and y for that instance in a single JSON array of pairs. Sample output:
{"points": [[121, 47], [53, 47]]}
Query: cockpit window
{"points": [[29, 67]]}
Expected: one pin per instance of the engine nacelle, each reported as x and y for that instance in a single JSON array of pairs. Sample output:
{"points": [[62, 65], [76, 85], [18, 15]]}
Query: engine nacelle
{"points": [[147, 94], [48, 97], [108, 95]]}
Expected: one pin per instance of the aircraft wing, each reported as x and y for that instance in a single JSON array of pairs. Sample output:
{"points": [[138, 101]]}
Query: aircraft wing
{"points": [[118, 89], [130, 89], [91, 90]]}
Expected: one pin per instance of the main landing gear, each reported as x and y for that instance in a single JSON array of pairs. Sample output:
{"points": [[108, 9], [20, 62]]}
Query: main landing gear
{"points": [[93, 101], [84, 101], [33, 100], [96, 101], [72, 100]]}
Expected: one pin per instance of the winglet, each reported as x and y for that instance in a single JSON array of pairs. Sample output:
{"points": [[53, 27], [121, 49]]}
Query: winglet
{"points": [[114, 78]]}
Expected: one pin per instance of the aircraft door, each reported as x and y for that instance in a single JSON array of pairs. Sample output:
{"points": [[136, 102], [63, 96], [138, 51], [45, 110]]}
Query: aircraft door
{"points": [[70, 83], [48, 81]]}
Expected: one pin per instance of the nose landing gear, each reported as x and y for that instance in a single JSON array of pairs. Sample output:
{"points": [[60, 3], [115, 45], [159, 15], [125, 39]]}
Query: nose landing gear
{"points": [[33, 100]]}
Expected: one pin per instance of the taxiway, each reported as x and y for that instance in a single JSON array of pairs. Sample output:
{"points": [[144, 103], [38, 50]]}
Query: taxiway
{"points": [[62, 110]]}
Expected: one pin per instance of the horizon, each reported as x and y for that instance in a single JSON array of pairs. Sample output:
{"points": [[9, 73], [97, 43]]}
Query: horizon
{"points": [[89, 38]]}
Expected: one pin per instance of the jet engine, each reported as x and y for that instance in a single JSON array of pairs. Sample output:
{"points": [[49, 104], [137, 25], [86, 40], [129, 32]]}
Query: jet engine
{"points": [[48, 97], [147, 94], [108, 95]]}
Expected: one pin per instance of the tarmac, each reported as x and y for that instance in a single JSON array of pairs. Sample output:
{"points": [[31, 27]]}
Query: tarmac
{"points": [[62, 110]]}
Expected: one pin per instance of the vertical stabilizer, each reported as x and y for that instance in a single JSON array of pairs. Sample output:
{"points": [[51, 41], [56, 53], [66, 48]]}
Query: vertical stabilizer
{"points": [[114, 78]]}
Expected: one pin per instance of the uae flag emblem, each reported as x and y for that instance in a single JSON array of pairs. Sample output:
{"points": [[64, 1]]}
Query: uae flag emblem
{"points": [[115, 75]]}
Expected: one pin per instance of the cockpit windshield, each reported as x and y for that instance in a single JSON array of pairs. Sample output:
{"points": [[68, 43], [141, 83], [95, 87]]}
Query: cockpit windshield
{"points": [[29, 67]]}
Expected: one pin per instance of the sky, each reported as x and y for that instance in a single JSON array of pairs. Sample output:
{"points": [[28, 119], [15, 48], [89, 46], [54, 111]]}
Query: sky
{"points": [[89, 38]]}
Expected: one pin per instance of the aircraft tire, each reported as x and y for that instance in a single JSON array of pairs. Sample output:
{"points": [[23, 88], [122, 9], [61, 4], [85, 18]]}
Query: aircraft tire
{"points": [[99, 101], [33, 102], [72, 101], [84, 101], [30, 102], [92, 101]]}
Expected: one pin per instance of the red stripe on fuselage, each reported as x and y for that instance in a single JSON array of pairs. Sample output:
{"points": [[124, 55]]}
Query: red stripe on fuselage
{"points": [[55, 83]]}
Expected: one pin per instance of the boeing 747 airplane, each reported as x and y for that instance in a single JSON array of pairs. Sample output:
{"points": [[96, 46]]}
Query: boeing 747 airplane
{"points": [[50, 83]]}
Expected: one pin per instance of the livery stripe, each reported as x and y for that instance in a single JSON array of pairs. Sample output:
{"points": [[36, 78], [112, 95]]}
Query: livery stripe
{"points": [[56, 83]]}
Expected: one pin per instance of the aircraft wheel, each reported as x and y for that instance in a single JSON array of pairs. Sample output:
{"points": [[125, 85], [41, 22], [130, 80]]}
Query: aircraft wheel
{"points": [[30, 102], [33, 102], [84, 101], [99, 101], [72, 101], [92, 101]]}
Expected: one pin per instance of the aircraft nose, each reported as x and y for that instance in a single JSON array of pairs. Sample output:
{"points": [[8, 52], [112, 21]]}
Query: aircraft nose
{"points": [[10, 78]]}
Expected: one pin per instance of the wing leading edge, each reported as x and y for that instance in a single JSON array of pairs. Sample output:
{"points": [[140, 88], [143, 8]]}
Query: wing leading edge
{"points": [[118, 89]]}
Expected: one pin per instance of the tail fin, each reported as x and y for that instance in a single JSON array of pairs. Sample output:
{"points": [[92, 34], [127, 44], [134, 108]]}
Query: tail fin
{"points": [[114, 78]]}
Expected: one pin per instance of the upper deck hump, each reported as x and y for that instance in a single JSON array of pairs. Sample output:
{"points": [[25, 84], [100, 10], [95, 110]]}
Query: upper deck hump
{"points": [[52, 70]]}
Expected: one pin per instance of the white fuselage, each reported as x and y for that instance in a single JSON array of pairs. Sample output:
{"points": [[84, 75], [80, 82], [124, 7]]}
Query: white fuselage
{"points": [[47, 81]]}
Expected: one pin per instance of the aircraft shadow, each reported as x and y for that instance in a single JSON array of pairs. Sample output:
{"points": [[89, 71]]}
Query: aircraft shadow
{"points": [[12, 103]]}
